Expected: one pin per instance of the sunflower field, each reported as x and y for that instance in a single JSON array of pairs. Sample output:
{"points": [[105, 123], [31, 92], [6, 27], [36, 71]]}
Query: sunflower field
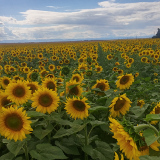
{"points": [[87, 100]]}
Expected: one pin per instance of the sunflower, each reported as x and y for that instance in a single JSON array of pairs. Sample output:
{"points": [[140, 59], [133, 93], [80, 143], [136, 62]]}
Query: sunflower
{"points": [[50, 83], [136, 74], [156, 110], [59, 81], [120, 105], [79, 78], [144, 59], [126, 143], [17, 77], [82, 67], [128, 65], [102, 84], [26, 70], [115, 69], [18, 92], [130, 60], [73, 88], [140, 103], [5, 81], [40, 56], [45, 100], [125, 81], [109, 56], [77, 108], [98, 69], [4, 102], [51, 67], [43, 73], [33, 86], [14, 123], [120, 71]]}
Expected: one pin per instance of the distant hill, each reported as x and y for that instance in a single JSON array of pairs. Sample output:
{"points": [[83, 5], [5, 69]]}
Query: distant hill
{"points": [[157, 35]]}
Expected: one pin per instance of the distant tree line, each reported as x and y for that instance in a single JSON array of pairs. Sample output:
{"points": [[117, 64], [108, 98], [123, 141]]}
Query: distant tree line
{"points": [[157, 35]]}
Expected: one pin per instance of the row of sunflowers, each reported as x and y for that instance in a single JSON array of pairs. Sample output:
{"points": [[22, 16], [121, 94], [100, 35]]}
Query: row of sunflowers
{"points": [[80, 100]]}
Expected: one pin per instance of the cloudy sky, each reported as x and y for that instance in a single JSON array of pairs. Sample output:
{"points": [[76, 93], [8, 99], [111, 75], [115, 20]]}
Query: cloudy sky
{"points": [[45, 20]]}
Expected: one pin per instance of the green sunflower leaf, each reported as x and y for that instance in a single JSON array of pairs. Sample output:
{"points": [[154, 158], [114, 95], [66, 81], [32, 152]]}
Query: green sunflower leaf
{"points": [[15, 147], [97, 108], [152, 117], [35, 114], [149, 136], [41, 133], [66, 132]]}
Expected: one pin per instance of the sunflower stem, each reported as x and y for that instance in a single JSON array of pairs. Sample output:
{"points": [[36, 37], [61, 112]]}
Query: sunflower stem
{"points": [[86, 141], [65, 87], [26, 151], [144, 126]]}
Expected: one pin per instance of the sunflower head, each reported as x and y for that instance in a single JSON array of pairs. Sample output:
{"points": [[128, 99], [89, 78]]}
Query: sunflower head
{"points": [[45, 100], [77, 107], [120, 105], [50, 83], [125, 81], [73, 88], [14, 123], [18, 92]]}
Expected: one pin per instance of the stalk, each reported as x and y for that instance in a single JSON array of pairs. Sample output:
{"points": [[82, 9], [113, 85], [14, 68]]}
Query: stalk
{"points": [[144, 126], [26, 151], [86, 141]]}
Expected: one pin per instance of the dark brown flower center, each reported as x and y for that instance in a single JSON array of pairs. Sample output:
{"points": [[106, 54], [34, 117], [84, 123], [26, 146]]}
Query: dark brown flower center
{"points": [[142, 148], [5, 101], [79, 105], [124, 79], [13, 122], [76, 78], [157, 110], [51, 67], [119, 104], [19, 91], [139, 103], [6, 81], [45, 100], [74, 91], [33, 88], [101, 86], [51, 85]]}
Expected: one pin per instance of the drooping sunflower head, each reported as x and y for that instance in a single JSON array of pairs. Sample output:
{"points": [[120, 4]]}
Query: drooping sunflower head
{"points": [[77, 108], [14, 123], [45, 100], [73, 88], [124, 140], [50, 83], [18, 92], [125, 81], [120, 105]]}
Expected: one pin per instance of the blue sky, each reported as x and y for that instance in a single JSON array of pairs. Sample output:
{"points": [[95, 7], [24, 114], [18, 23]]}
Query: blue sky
{"points": [[45, 20]]}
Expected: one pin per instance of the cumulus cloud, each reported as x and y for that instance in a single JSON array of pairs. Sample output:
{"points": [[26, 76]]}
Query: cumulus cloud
{"points": [[110, 19]]}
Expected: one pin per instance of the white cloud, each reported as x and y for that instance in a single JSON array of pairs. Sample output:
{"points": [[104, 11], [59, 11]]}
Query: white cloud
{"points": [[111, 19]]}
